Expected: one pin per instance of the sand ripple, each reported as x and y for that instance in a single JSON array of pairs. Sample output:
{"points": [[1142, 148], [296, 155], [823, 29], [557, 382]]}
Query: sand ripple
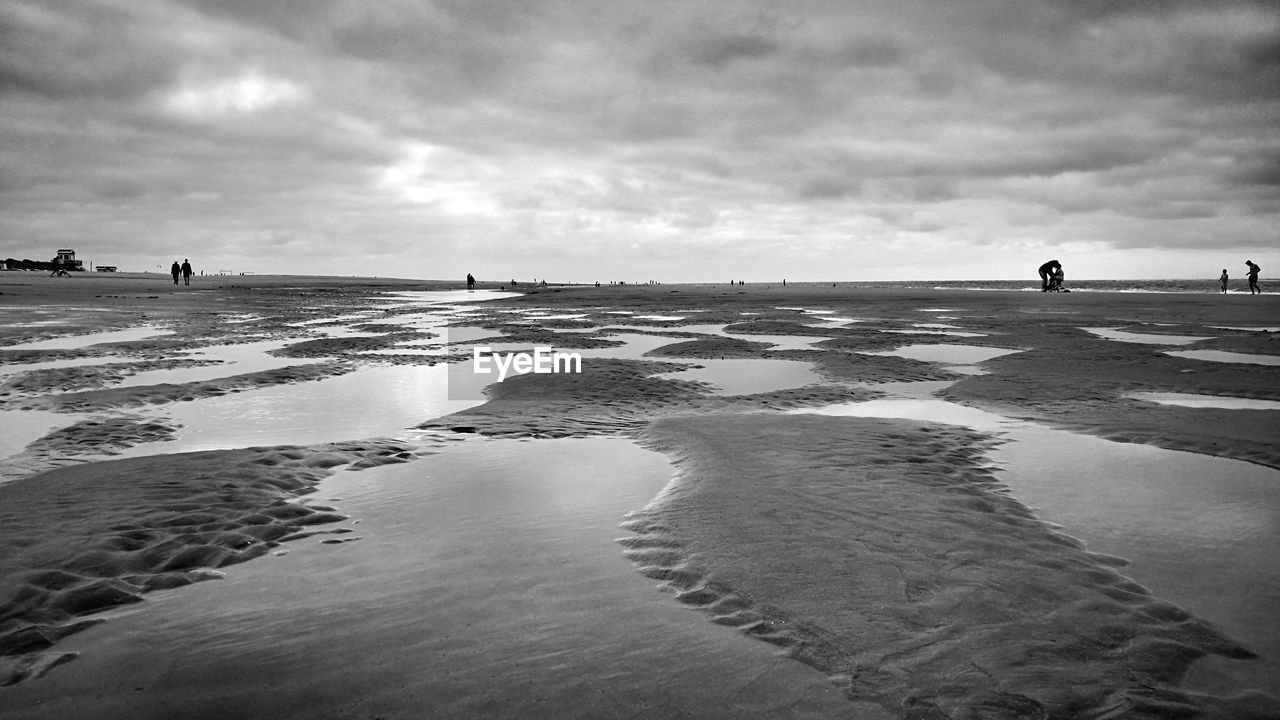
{"points": [[79, 540], [883, 553]]}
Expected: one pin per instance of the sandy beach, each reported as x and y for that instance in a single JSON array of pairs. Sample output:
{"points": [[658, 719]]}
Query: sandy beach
{"points": [[281, 496]]}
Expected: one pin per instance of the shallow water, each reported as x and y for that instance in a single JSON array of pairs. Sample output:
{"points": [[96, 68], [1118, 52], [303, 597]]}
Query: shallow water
{"points": [[1146, 338], [233, 360], [486, 583], [1226, 357], [19, 428], [73, 342], [1197, 530], [1206, 401], [949, 333], [749, 376], [952, 354], [372, 402]]}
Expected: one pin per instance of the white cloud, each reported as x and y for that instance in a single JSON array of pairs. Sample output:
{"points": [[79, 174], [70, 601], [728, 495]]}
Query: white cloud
{"points": [[247, 93]]}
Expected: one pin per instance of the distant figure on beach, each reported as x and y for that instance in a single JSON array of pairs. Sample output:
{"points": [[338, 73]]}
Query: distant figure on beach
{"points": [[58, 269], [1046, 271], [513, 282], [471, 282], [1254, 269], [1223, 279], [175, 270], [1055, 282], [186, 272]]}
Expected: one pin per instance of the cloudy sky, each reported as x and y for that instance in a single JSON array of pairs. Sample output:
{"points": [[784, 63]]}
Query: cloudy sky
{"points": [[676, 141]]}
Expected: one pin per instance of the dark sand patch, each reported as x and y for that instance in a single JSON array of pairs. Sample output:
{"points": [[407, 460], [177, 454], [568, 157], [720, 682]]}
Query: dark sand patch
{"points": [[883, 553], [615, 397], [88, 377], [336, 347], [137, 396], [90, 438], [84, 539], [1082, 386], [712, 348]]}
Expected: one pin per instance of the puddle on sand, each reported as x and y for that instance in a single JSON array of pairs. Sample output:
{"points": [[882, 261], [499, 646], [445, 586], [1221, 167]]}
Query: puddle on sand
{"points": [[749, 376], [948, 333], [951, 354], [1198, 531], [1205, 401], [489, 584], [440, 297], [371, 402], [75, 342], [235, 360], [1145, 338], [20, 428], [1226, 357]]}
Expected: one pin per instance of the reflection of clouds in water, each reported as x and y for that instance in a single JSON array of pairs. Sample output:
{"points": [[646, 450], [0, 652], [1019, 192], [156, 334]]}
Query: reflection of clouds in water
{"points": [[1226, 357], [1195, 529], [951, 354], [749, 376], [75, 342], [371, 402], [1205, 401], [1145, 338]]}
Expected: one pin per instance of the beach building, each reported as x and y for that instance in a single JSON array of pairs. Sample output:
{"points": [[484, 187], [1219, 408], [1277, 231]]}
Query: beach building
{"points": [[67, 259]]}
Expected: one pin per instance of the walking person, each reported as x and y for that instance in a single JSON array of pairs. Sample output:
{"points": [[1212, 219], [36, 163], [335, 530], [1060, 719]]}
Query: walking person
{"points": [[186, 272], [1223, 280], [175, 270], [471, 282], [1254, 269]]}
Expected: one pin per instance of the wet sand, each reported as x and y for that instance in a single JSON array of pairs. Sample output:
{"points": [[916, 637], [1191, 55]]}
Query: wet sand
{"points": [[840, 566]]}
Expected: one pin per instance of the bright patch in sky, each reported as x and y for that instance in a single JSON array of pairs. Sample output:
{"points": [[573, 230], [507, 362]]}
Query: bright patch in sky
{"points": [[250, 92]]}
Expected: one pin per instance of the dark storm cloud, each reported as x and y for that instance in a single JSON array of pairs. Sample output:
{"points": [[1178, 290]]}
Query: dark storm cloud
{"points": [[70, 50]]}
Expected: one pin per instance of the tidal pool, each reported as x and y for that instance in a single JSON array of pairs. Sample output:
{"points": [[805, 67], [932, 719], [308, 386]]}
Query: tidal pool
{"points": [[20, 428], [1205, 401], [1197, 530], [749, 376], [481, 582], [952, 354], [1226, 357], [232, 360], [74, 342], [371, 402], [1146, 338]]}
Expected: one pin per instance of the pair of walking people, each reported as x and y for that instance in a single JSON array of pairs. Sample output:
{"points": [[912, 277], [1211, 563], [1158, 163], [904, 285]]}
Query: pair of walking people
{"points": [[184, 270]]}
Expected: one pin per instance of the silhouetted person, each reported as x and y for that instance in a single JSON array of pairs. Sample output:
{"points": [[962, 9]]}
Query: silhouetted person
{"points": [[1055, 284], [175, 270], [1223, 279], [186, 272], [57, 268], [1046, 271], [471, 282], [1254, 269]]}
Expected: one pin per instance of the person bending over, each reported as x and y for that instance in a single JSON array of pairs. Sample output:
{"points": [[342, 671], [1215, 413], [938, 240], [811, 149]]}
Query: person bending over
{"points": [[1046, 271]]}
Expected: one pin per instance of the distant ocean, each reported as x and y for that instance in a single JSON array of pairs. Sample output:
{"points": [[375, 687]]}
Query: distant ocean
{"points": [[1209, 285]]}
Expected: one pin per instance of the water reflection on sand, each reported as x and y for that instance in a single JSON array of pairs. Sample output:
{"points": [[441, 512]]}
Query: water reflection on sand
{"points": [[1195, 529]]}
